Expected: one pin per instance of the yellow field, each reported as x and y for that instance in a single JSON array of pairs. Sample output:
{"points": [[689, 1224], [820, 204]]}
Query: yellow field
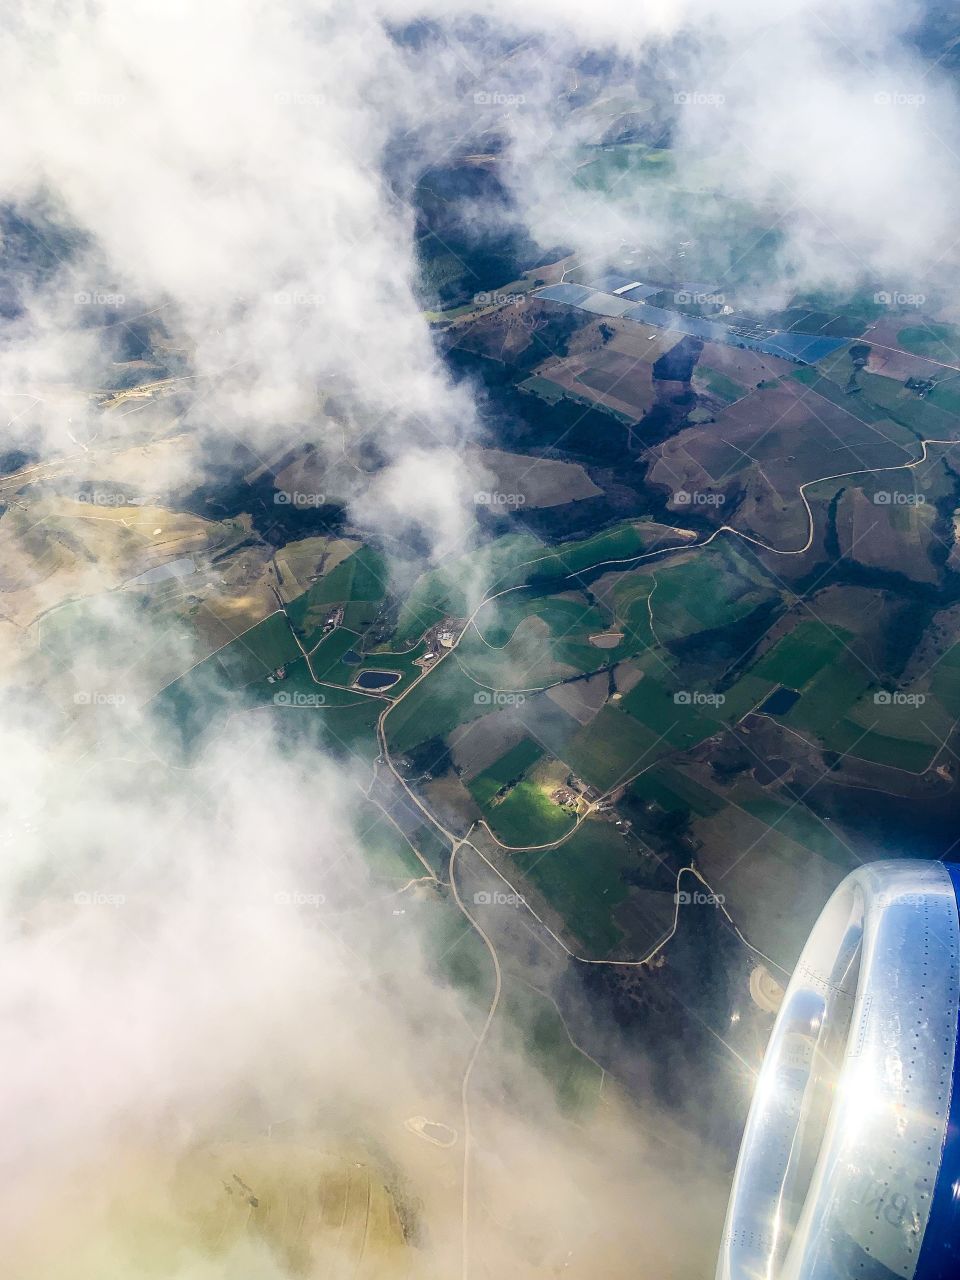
{"points": [[274, 1210], [321, 1214]]}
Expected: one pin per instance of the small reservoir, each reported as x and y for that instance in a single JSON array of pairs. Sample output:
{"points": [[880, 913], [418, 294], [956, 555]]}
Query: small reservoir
{"points": [[780, 701], [376, 679]]}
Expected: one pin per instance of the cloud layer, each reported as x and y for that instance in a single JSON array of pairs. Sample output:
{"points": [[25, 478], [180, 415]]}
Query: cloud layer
{"points": [[233, 177]]}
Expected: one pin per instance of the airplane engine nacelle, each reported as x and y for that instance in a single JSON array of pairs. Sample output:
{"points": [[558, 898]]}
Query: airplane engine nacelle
{"points": [[850, 1160]]}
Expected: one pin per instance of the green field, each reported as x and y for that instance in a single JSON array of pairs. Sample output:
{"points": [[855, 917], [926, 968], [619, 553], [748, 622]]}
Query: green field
{"points": [[544, 388], [359, 583], [945, 681], [624, 541], [907, 408], [583, 881], [720, 385], [946, 395], [675, 793], [575, 1078], [630, 595], [511, 767], [442, 591], [678, 724], [828, 697], [199, 704], [434, 708], [615, 167], [936, 341], [800, 654], [201, 699], [253, 655], [527, 816], [711, 589], [837, 699], [512, 561], [610, 748], [797, 823], [455, 953], [880, 748], [856, 405], [507, 658], [388, 855]]}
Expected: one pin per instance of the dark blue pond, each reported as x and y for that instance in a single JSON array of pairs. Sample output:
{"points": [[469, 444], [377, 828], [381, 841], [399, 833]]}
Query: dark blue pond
{"points": [[377, 679], [780, 701]]}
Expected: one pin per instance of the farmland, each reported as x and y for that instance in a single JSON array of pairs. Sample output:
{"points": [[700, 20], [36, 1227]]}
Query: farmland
{"points": [[583, 880], [685, 628]]}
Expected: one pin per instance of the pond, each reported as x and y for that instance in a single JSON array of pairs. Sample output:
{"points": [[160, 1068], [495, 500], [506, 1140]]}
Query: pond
{"points": [[377, 679], [780, 701]]}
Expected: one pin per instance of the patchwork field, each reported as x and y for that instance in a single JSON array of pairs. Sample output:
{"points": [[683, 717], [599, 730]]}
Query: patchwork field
{"points": [[895, 535], [584, 881], [535, 482], [514, 795], [763, 448]]}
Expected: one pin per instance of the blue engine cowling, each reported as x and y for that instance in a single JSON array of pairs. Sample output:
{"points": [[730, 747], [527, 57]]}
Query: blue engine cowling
{"points": [[850, 1160]]}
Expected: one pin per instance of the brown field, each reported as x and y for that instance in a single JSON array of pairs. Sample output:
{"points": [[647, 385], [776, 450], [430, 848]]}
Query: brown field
{"points": [[477, 745], [745, 367], [543, 482], [896, 363], [501, 333], [303, 561], [761, 449], [623, 383], [644, 342], [252, 1208], [607, 639], [627, 675], [56, 549], [311, 1206], [616, 373], [899, 538], [581, 700], [645, 918], [774, 888], [448, 797]]}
